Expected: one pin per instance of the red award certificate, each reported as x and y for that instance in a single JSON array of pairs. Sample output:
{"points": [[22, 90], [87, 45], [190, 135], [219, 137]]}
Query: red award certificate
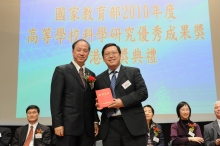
{"points": [[104, 97]]}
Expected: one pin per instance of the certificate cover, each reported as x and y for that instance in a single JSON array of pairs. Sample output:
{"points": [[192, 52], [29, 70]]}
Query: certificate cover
{"points": [[104, 97]]}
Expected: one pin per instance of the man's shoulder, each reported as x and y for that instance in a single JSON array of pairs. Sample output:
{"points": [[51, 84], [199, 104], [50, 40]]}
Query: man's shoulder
{"points": [[4, 129], [209, 124], [129, 68], [22, 127], [43, 126], [101, 75], [64, 65]]}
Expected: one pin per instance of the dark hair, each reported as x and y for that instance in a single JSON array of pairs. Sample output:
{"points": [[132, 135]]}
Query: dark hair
{"points": [[74, 44], [152, 109], [108, 45], [180, 105], [33, 107]]}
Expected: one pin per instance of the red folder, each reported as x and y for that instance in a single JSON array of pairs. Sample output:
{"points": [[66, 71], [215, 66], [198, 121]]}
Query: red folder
{"points": [[104, 97]]}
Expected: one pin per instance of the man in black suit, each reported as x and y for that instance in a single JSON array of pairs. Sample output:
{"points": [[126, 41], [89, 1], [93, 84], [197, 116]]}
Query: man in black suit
{"points": [[34, 133], [5, 136], [123, 122], [72, 100]]}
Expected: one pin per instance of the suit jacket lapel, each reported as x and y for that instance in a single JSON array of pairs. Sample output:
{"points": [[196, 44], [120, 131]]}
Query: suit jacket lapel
{"points": [[87, 73], [37, 128], [35, 139], [215, 125], [106, 78], [24, 132], [120, 75], [75, 74]]}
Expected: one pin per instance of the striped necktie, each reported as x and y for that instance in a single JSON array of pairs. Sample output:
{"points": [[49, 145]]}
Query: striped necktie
{"points": [[82, 76], [29, 138], [110, 111]]}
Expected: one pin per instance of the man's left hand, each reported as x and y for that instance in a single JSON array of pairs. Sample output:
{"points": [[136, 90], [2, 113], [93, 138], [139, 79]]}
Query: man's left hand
{"points": [[96, 128], [117, 103]]}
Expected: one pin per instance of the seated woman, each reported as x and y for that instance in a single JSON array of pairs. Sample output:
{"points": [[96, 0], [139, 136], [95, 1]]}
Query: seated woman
{"points": [[155, 135], [185, 132]]}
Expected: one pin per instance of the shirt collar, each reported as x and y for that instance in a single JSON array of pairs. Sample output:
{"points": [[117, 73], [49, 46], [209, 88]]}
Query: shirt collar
{"points": [[218, 120], [78, 67], [117, 69], [34, 125]]}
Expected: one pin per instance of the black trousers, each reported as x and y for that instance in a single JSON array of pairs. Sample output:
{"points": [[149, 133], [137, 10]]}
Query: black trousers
{"points": [[118, 135], [71, 140]]}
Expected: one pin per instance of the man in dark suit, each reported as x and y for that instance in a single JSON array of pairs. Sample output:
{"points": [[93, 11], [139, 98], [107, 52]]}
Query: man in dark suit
{"points": [[72, 100], [123, 122], [5, 136], [34, 133], [212, 130]]}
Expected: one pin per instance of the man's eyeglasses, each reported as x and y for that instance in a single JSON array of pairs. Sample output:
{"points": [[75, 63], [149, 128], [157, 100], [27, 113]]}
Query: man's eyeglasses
{"points": [[34, 112], [110, 53]]}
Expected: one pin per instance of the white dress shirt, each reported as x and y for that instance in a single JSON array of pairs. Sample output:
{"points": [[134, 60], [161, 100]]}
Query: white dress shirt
{"points": [[78, 67], [34, 129], [118, 112], [218, 120]]}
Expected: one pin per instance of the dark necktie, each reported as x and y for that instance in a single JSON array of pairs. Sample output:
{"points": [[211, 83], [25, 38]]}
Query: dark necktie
{"points": [[110, 111], [113, 82], [29, 138], [82, 76]]}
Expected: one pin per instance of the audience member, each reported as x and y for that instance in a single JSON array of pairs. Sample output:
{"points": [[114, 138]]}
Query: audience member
{"points": [[5, 136], [34, 133], [155, 135], [185, 131], [211, 130]]}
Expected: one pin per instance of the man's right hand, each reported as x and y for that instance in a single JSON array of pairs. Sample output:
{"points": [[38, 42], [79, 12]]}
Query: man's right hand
{"points": [[59, 131], [217, 142]]}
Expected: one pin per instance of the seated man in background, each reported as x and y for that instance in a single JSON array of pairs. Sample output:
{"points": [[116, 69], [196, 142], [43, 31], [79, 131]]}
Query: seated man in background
{"points": [[34, 133], [211, 130], [5, 136]]}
